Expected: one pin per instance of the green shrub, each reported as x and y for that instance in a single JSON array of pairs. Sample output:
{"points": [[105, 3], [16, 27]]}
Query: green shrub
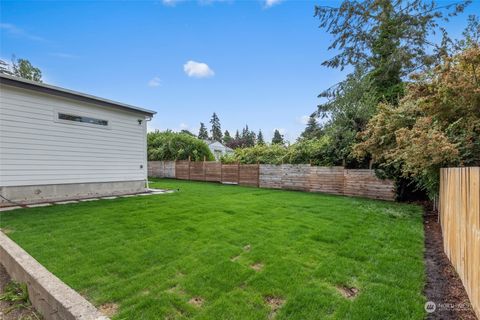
{"points": [[168, 145], [304, 151]]}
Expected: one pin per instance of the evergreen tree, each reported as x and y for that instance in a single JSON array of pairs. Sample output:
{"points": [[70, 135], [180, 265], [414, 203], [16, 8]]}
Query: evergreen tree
{"points": [[203, 133], [312, 130], [386, 38], [227, 138], [260, 140], [5, 68], [216, 128], [277, 138], [237, 135]]}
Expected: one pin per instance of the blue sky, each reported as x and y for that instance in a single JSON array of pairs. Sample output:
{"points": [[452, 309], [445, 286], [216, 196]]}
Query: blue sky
{"points": [[252, 62]]}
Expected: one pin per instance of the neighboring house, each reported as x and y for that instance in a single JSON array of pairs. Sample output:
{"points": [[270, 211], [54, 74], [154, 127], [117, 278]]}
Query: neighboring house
{"points": [[61, 144], [218, 149]]}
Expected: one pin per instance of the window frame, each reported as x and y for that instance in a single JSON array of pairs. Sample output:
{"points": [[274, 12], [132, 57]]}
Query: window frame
{"points": [[56, 118]]}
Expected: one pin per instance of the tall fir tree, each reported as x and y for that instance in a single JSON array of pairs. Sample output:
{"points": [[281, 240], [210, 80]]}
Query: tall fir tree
{"points": [[312, 130], [203, 133], [388, 39], [277, 138], [216, 128], [260, 139], [227, 138]]}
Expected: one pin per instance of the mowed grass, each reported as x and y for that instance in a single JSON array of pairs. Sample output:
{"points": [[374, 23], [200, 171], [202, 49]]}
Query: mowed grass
{"points": [[211, 251]]}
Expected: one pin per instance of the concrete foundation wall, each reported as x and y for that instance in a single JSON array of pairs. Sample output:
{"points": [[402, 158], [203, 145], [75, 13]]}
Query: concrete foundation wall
{"points": [[57, 192]]}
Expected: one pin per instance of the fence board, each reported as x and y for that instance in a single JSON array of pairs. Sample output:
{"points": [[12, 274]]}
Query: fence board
{"points": [[249, 175], [295, 177], [213, 171], [230, 173], [182, 169], [197, 171], [270, 176], [326, 179], [459, 212], [161, 169]]}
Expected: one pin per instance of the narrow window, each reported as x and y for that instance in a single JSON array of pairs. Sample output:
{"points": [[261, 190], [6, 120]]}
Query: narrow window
{"points": [[70, 117]]}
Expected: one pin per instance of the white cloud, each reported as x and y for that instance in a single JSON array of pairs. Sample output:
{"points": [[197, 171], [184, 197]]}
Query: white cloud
{"points": [[170, 2], [64, 55], [183, 126], [271, 3], [197, 69], [13, 30], [155, 82]]}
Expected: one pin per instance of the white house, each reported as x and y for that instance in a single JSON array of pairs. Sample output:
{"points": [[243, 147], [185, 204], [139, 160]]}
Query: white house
{"points": [[218, 149], [61, 144]]}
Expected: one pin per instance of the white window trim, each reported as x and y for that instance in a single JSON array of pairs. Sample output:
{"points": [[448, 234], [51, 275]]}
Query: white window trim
{"points": [[56, 113]]}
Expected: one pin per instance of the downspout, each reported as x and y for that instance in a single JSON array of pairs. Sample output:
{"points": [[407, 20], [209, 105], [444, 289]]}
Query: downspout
{"points": [[147, 119]]}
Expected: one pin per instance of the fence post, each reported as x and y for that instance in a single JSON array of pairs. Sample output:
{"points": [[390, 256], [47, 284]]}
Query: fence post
{"points": [[238, 172], [188, 167], [258, 174], [204, 168], [221, 172]]}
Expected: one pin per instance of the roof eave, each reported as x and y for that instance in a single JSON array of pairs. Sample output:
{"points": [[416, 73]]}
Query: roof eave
{"points": [[66, 93]]}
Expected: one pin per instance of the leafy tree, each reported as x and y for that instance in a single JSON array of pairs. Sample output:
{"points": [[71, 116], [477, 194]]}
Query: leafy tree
{"points": [[187, 132], [437, 124], [305, 151], [353, 104], [273, 154], [24, 69], [170, 145], [313, 129], [227, 138], [216, 128], [260, 139], [277, 138], [203, 133], [388, 39]]}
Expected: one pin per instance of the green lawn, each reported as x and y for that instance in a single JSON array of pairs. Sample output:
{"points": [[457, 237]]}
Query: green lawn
{"points": [[193, 253]]}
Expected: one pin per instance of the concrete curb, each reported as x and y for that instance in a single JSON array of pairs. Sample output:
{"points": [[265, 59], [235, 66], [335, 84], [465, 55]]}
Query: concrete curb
{"points": [[52, 298]]}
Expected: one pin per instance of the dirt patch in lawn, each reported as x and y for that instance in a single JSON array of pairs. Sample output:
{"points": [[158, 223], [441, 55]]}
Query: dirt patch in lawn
{"points": [[257, 266], [247, 248], [443, 287], [6, 231], [109, 309], [275, 303], [348, 292], [196, 301], [14, 310]]}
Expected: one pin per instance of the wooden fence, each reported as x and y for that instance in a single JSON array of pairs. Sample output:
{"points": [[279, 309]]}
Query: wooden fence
{"points": [[303, 177], [459, 212]]}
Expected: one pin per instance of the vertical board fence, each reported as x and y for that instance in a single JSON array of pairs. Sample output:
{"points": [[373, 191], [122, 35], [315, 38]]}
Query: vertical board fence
{"points": [[302, 177], [459, 212]]}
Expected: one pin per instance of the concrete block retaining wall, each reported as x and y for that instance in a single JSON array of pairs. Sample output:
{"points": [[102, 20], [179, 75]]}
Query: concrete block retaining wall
{"points": [[52, 298]]}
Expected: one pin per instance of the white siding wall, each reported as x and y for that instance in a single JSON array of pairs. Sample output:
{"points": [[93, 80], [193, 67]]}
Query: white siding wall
{"points": [[36, 150]]}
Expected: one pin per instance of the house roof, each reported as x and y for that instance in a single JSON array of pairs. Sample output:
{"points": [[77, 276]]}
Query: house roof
{"points": [[210, 142], [67, 93]]}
